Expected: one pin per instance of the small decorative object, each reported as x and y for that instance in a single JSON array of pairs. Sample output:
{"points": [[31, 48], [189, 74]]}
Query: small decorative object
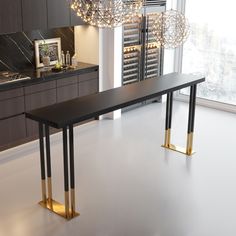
{"points": [[62, 58], [47, 52], [58, 67], [67, 58], [171, 29], [107, 13], [46, 60], [45, 55], [74, 61]]}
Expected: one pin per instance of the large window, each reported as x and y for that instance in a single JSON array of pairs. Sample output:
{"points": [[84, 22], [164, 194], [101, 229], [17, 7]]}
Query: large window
{"points": [[211, 48]]}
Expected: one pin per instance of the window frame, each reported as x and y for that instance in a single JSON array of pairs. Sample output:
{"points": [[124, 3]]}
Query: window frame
{"points": [[178, 60]]}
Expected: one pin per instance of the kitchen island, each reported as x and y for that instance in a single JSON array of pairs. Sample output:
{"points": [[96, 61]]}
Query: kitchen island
{"points": [[42, 88]]}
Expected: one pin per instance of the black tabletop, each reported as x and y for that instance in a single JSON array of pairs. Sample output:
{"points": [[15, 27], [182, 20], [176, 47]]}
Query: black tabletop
{"points": [[83, 108]]}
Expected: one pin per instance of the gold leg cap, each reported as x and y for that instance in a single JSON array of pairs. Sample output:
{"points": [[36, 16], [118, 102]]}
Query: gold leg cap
{"points": [[59, 209]]}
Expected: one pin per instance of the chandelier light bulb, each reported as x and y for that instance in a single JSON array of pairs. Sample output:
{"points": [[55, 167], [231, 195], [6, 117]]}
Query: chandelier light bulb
{"points": [[106, 13]]}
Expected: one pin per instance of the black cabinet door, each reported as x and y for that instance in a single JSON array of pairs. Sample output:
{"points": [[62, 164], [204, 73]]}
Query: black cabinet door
{"points": [[88, 76], [10, 16], [66, 93], [58, 13], [12, 131], [34, 101], [75, 20], [11, 107], [67, 89], [11, 103], [88, 87], [88, 83], [34, 14]]}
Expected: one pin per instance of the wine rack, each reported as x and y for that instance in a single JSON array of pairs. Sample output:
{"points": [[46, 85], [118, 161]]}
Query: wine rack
{"points": [[142, 57], [152, 62], [131, 65], [132, 32]]}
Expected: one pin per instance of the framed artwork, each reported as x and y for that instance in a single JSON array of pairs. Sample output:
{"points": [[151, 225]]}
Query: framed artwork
{"points": [[47, 47]]}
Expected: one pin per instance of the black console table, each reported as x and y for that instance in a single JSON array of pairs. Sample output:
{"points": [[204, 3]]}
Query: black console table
{"points": [[65, 115]]}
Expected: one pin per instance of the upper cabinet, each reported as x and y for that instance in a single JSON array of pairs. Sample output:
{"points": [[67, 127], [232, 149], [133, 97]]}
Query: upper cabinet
{"points": [[58, 13], [10, 16], [26, 15], [75, 20], [34, 14]]}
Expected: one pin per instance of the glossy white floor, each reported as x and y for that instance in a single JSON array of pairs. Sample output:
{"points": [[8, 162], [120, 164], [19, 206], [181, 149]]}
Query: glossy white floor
{"points": [[126, 184]]}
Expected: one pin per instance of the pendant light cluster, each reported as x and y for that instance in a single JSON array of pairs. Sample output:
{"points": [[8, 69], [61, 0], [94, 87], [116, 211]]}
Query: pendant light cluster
{"points": [[170, 28], [107, 13]]}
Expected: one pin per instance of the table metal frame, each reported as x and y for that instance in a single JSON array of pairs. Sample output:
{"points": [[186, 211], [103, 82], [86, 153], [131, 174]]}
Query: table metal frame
{"points": [[68, 210], [93, 106], [191, 117]]}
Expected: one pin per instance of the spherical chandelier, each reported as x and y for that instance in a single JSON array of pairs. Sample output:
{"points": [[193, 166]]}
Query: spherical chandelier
{"points": [[106, 13], [171, 29]]}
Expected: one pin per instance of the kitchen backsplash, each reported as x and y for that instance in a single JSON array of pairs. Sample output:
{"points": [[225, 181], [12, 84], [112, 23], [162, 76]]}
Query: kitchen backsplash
{"points": [[17, 50]]}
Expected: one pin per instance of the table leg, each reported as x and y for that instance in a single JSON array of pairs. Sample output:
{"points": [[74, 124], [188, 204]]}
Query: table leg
{"points": [[42, 163], [169, 105], [72, 168], [66, 177], [50, 204], [69, 212], [49, 171], [192, 104]]}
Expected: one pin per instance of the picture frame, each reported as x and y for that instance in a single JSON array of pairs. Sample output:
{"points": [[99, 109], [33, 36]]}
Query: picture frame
{"points": [[53, 47]]}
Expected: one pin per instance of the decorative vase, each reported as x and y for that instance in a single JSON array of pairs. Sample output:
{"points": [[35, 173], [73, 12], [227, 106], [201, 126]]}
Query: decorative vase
{"points": [[46, 60]]}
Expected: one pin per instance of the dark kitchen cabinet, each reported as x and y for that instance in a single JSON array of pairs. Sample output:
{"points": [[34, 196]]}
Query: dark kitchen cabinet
{"points": [[11, 103], [58, 13], [88, 87], [12, 131], [10, 16], [88, 76], [15, 129], [12, 120], [34, 14], [37, 96], [88, 83], [67, 89], [11, 107], [74, 19], [66, 93]]}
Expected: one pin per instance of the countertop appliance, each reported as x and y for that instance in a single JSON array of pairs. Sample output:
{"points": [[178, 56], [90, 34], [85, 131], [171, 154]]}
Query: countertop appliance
{"points": [[10, 76]]}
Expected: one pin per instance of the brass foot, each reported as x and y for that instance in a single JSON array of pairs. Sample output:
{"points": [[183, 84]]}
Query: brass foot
{"points": [[179, 149], [59, 209]]}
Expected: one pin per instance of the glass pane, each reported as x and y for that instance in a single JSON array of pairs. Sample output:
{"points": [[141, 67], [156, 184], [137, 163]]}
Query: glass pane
{"points": [[211, 48]]}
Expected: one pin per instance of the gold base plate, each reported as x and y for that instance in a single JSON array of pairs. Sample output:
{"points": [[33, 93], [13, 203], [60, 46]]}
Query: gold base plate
{"points": [[58, 208], [178, 149]]}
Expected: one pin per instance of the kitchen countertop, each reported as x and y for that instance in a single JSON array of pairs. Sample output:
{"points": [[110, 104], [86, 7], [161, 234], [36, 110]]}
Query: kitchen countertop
{"points": [[43, 74]]}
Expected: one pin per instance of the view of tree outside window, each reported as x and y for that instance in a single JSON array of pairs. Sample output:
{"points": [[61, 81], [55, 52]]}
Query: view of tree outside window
{"points": [[211, 48]]}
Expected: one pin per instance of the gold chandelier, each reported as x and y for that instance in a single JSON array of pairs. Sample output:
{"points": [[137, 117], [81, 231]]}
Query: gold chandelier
{"points": [[171, 29], [107, 13]]}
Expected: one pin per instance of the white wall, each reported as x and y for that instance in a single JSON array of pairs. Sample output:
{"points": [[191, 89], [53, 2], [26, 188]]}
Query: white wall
{"points": [[102, 47], [110, 62], [87, 44], [169, 63]]}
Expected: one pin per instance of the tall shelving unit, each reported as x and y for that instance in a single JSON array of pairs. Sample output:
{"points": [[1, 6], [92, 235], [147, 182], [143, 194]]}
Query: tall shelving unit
{"points": [[142, 58]]}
